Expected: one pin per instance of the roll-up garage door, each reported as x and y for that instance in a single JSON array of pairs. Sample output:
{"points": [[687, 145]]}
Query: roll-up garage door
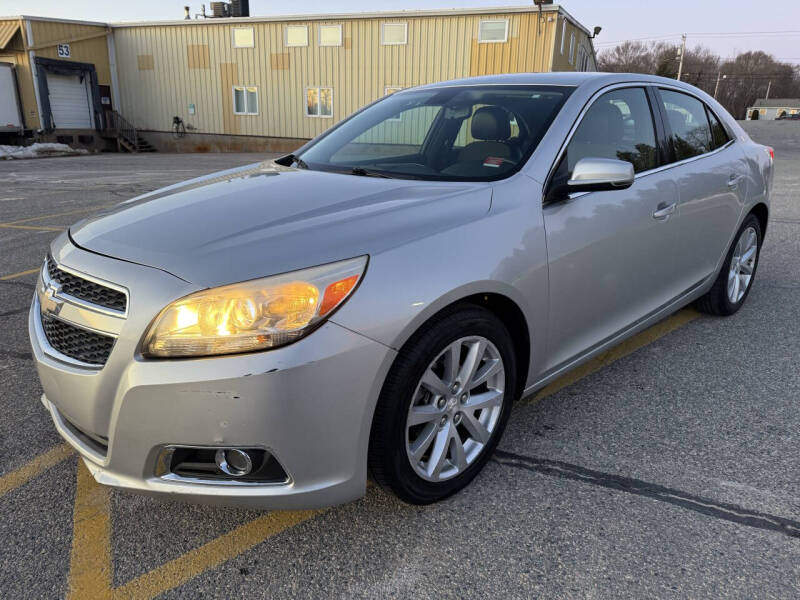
{"points": [[70, 101]]}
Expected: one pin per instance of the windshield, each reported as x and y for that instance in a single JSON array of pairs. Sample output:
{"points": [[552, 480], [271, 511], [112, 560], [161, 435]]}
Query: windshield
{"points": [[476, 133]]}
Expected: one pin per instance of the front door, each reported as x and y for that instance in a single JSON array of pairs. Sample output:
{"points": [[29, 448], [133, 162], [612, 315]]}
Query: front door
{"points": [[611, 254]]}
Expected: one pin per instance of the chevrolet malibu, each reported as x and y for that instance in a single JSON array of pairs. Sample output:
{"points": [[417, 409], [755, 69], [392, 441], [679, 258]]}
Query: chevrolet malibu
{"points": [[375, 302]]}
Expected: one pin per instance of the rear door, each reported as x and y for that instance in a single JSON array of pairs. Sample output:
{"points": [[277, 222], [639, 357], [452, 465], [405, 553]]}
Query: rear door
{"points": [[709, 168], [611, 254]]}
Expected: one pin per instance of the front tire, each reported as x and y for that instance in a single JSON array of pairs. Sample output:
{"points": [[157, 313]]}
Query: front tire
{"points": [[444, 405], [733, 284]]}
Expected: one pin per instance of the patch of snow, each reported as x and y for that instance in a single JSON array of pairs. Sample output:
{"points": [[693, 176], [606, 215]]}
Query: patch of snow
{"points": [[38, 151]]}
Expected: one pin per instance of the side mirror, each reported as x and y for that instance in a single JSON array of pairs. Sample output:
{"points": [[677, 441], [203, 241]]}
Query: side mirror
{"points": [[595, 175]]}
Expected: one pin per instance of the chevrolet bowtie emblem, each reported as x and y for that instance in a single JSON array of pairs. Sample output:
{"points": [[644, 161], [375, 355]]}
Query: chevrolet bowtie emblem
{"points": [[49, 299]]}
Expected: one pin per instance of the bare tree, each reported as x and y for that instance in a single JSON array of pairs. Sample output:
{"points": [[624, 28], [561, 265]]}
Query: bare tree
{"points": [[747, 76]]}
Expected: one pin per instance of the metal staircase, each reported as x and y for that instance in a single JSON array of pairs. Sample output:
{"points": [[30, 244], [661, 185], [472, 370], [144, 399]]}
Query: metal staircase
{"points": [[128, 138]]}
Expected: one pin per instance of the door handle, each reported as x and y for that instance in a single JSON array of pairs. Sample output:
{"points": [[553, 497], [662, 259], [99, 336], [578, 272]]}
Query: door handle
{"points": [[733, 182], [664, 210]]}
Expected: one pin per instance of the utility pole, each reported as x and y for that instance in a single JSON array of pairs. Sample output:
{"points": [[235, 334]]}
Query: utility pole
{"points": [[720, 77], [682, 53], [769, 87]]}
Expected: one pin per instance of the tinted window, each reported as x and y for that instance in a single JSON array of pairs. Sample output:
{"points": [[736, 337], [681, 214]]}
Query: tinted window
{"points": [[719, 137], [686, 116], [619, 125], [457, 133]]}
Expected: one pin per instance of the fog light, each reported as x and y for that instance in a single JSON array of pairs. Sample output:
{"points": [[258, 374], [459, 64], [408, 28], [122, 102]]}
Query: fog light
{"points": [[233, 462]]}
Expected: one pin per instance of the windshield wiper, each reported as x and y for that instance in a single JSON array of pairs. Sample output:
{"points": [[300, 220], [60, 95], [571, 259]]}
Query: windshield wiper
{"points": [[364, 173], [296, 160]]}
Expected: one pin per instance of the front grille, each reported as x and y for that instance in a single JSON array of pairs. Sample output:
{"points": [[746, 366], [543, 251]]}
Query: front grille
{"points": [[86, 290], [76, 342]]}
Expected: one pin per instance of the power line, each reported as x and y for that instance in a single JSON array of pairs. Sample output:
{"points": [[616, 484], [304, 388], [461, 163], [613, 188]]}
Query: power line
{"points": [[704, 35], [644, 39], [744, 33]]}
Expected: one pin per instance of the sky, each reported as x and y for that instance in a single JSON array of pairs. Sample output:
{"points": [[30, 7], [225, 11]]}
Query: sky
{"points": [[771, 26]]}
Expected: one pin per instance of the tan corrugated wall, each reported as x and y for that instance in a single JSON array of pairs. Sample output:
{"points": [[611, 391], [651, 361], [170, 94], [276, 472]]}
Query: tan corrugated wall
{"points": [[93, 51], [438, 48], [561, 61]]}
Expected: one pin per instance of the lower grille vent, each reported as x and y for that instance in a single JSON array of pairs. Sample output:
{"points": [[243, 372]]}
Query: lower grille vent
{"points": [[76, 342]]}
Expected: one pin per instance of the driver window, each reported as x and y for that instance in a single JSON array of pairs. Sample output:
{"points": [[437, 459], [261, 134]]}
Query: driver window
{"points": [[619, 125]]}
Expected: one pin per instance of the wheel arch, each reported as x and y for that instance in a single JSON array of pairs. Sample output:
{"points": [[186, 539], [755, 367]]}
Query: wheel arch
{"points": [[505, 309], [500, 305], [761, 212]]}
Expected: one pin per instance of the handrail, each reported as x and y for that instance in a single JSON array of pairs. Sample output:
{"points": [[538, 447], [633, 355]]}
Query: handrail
{"points": [[124, 128]]}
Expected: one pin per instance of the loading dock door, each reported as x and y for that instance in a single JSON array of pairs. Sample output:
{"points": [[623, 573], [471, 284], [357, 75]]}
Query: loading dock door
{"points": [[70, 101]]}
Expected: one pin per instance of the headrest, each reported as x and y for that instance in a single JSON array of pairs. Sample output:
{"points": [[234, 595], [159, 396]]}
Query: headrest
{"points": [[603, 124], [491, 123], [677, 121]]}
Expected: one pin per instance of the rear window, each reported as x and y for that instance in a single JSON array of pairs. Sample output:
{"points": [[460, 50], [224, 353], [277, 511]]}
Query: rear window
{"points": [[474, 133], [686, 116]]}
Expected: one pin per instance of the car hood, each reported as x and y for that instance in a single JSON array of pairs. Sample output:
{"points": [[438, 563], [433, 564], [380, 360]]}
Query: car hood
{"points": [[264, 219]]}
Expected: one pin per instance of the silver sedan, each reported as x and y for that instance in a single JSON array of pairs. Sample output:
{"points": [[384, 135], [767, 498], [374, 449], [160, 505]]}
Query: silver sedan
{"points": [[375, 302]]}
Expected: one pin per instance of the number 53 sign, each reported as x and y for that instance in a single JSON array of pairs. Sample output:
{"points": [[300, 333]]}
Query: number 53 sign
{"points": [[63, 51]]}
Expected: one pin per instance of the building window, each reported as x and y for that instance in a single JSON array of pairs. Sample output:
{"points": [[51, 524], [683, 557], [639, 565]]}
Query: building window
{"points": [[394, 34], [245, 100], [330, 35], [493, 31], [243, 37], [563, 35], [296, 35], [319, 102], [579, 65], [585, 59], [572, 48]]}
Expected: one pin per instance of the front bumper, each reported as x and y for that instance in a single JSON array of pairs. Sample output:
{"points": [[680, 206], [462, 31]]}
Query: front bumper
{"points": [[309, 404]]}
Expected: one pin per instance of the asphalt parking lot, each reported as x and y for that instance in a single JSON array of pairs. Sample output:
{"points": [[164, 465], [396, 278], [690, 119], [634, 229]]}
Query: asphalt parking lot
{"points": [[667, 468]]}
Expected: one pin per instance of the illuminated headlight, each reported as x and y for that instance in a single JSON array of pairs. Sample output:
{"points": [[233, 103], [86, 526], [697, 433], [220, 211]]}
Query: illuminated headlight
{"points": [[252, 315]]}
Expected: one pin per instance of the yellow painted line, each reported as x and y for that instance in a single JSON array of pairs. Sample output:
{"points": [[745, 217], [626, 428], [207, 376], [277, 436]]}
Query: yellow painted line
{"points": [[61, 214], [91, 570], [33, 227], [90, 559], [629, 346], [34, 468], [210, 555], [20, 274]]}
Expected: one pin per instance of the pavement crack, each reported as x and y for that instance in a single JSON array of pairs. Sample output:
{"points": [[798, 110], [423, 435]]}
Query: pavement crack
{"points": [[705, 506]]}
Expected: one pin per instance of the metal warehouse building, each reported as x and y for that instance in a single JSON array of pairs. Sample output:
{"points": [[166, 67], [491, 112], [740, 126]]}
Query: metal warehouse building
{"points": [[236, 81]]}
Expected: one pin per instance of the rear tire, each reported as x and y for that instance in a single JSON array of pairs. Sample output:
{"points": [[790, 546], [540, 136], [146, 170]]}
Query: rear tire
{"points": [[432, 433], [733, 284]]}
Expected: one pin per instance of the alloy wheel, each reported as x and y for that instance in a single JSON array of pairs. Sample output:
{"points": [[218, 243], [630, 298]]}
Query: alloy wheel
{"points": [[743, 264], [455, 409]]}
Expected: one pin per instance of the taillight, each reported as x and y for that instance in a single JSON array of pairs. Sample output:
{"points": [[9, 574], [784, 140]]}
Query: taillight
{"points": [[771, 152]]}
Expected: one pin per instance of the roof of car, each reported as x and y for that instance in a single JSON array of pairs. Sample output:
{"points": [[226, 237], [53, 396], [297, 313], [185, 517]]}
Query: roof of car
{"points": [[571, 79]]}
